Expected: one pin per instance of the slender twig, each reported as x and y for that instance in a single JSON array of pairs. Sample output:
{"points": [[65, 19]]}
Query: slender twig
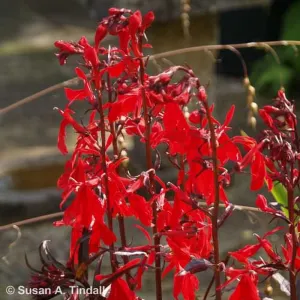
{"points": [[48, 90], [154, 57], [104, 168], [209, 287], [215, 214], [156, 237], [116, 153], [224, 47], [292, 231], [60, 214]]}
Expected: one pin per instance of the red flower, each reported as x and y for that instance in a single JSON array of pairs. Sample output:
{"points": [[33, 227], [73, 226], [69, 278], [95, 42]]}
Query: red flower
{"points": [[141, 209], [186, 285], [262, 204], [81, 94], [120, 290], [257, 161], [101, 32], [246, 289]]}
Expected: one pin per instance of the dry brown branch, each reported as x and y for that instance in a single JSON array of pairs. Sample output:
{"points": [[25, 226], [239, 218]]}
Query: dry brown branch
{"points": [[60, 214], [73, 81]]}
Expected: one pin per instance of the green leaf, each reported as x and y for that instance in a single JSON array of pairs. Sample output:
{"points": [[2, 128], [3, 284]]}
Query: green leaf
{"points": [[279, 193], [291, 25], [269, 76]]}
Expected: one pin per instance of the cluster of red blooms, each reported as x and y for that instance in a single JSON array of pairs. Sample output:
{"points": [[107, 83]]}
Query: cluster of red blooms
{"points": [[183, 217]]}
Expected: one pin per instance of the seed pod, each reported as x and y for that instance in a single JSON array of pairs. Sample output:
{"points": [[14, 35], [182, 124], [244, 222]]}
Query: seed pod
{"points": [[184, 15], [246, 81], [254, 107], [186, 7], [249, 100], [252, 121], [123, 153], [251, 90], [268, 290]]}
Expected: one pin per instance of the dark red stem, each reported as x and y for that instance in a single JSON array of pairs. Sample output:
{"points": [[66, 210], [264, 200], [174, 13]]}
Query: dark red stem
{"points": [[150, 166], [215, 214], [292, 231], [116, 154], [104, 168]]}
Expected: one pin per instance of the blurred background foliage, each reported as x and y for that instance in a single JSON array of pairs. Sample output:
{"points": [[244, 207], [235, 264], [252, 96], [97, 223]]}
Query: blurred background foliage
{"points": [[267, 75]]}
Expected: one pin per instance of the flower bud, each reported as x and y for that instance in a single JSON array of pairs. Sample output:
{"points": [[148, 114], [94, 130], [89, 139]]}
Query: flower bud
{"points": [[268, 290], [249, 100], [123, 153], [147, 20], [254, 107], [100, 35], [246, 81], [251, 90], [202, 94], [252, 121], [194, 117]]}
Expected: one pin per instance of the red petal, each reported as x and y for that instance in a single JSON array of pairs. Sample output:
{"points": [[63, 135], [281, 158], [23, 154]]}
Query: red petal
{"points": [[124, 105], [124, 38], [120, 290], [187, 285], [61, 141], [148, 20], [243, 254], [100, 35], [258, 172], [245, 290], [90, 54], [75, 94], [262, 204], [141, 209], [229, 116], [116, 69], [266, 118], [135, 22], [195, 117]]}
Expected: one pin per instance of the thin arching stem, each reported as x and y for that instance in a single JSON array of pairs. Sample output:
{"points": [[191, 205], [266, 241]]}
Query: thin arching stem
{"points": [[57, 215], [75, 80], [215, 214]]}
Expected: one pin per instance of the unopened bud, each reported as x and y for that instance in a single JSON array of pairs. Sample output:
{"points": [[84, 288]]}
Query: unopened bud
{"points": [[249, 100], [123, 153], [186, 23], [281, 118], [202, 94], [251, 90], [254, 107], [252, 122], [185, 16], [246, 81], [268, 290], [186, 7]]}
